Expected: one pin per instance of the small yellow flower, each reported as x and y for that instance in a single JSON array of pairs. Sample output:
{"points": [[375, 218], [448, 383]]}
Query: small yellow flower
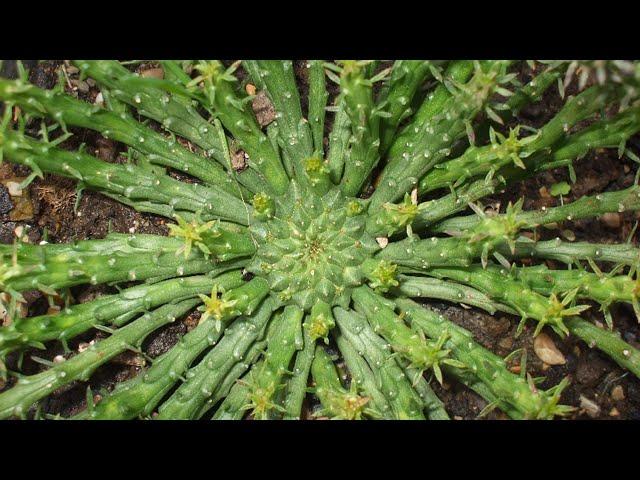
{"points": [[192, 234], [383, 277], [402, 214], [556, 312], [218, 308]]}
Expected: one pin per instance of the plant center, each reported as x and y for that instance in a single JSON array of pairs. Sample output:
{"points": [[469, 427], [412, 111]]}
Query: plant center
{"points": [[311, 247]]}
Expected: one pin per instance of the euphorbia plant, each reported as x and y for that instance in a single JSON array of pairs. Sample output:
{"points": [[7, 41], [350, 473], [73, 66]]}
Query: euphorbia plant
{"points": [[302, 265]]}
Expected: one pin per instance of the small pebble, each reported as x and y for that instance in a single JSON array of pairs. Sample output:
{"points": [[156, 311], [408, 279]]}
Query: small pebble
{"points": [[14, 189], [614, 412], [506, 343], [547, 351], [4, 318], [153, 73], [617, 393], [414, 196], [382, 241], [544, 193], [81, 85], [611, 220], [568, 234], [589, 406]]}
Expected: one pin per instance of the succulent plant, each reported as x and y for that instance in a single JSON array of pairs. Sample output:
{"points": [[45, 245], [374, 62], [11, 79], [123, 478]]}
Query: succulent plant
{"points": [[303, 261]]}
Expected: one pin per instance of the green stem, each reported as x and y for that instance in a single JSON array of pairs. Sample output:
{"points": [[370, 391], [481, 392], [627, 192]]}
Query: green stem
{"points": [[583, 207], [357, 92], [117, 309], [532, 91], [606, 133], [484, 372], [337, 402], [193, 398], [146, 96], [427, 287], [297, 384], [318, 96], [29, 389], [235, 113], [140, 395], [363, 376], [407, 76], [403, 400], [421, 354], [277, 77], [121, 127], [568, 252], [227, 386], [138, 185], [435, 139], [433, 406], [459, 71], [600, 287], [117, 258], [500, 286], [339, 142], [609, 342], [605, 340], [260, 389], [478, 161]]}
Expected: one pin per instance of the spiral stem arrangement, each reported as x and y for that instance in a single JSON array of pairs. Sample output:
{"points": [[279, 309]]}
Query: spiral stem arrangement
{"points": [[302, 264]]}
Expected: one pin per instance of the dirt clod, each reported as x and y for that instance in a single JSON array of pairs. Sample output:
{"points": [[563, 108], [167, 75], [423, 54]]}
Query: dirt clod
{"points": [[163, 339], [22, 207], [44, 74], [5, 200], [239, 160], [263, 108], [590, 369]]}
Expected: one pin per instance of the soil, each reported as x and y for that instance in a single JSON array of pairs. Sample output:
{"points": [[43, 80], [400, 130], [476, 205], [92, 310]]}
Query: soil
{"points": [[56, 212]]}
